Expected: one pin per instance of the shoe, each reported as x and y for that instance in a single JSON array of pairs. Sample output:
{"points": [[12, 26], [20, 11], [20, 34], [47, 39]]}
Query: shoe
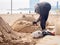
{"points": [[45, 32]]}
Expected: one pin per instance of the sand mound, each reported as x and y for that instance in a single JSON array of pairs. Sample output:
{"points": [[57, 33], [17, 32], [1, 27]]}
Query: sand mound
{"points": [[10, 37], [25, 25]]}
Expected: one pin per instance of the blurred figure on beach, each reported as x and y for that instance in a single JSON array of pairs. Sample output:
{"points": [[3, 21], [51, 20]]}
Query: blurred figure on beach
{"points": [[43, 9]]}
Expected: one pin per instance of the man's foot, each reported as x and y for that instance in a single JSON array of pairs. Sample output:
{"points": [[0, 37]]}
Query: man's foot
{"points": [[45, 32]]}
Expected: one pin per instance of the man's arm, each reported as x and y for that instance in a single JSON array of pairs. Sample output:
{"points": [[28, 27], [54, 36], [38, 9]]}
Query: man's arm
{"points": [[35, 22], [38, 19]]}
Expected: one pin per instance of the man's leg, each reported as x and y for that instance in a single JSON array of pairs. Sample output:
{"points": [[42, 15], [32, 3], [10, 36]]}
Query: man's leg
{"points": [[43, 23], [43, 26], [43, 19]]}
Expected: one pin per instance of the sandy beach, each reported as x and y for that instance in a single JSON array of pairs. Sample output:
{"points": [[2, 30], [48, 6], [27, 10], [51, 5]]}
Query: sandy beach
{"points": [[22, 28]]}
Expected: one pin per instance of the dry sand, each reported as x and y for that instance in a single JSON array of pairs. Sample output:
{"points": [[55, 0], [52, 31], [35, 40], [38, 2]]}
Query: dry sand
{"points": [[26, 38]]}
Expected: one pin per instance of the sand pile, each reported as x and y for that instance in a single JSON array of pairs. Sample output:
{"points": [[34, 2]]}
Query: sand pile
{"points": [[10, 37], [25, 25]]}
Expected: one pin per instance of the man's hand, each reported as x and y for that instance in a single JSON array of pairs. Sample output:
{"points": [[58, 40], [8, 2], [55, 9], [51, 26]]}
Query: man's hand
{"points": [[35, 23]]}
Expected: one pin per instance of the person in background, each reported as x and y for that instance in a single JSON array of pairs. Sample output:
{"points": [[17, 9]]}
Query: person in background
{"points": [[43, 9]]}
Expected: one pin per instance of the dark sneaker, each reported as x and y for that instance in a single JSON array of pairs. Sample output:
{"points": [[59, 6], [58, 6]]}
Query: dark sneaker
{"points": [[45, 32]]}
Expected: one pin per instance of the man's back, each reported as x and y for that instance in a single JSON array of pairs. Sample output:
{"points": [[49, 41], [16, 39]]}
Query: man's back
{"points": [[42, 8]]}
